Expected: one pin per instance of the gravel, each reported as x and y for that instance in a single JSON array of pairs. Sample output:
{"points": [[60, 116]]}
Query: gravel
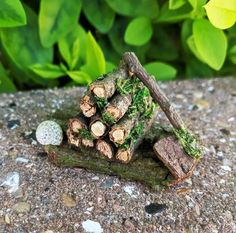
{"points": [[46, 199]]}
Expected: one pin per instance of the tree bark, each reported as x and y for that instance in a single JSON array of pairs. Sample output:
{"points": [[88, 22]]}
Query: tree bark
{"points": [[170, 152], [144, 170]]}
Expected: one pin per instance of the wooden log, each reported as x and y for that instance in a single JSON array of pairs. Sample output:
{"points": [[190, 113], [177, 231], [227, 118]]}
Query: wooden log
{"points": [[73, 139], [105, 148], [105, 87], [75, 124], [117, 108], [87, 142], [88, 104], [120, 131], [170, 152], [145, 170], [126, 152], [97, 126]]}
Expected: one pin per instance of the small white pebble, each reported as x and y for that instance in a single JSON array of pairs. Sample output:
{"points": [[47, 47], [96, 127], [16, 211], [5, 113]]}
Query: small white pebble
{"points": [[92, 227], [21, 160], [49, 133], [226, 168], [95, 178], [231, 119]]}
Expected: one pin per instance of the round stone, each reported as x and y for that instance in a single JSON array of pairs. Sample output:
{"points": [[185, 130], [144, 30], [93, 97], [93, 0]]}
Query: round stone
{"points": [[49, 133]]}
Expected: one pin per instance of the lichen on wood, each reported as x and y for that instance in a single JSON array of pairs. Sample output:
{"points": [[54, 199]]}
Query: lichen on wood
{"points": [[145, 170]]}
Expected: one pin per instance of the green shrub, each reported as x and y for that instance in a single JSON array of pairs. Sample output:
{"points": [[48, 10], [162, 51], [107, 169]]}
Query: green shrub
{"points": [[49, 43]]}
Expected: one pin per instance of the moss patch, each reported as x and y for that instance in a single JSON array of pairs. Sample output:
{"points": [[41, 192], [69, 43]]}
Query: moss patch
{"points": [[84, 133], [108, 118], [189, 143]]}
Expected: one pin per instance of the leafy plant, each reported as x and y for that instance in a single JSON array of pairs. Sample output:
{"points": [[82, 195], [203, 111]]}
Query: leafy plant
{"points": [[59, 43]]}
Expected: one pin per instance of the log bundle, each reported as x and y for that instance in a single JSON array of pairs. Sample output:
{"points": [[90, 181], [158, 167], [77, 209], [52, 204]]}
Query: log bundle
{"points": [[115, 113]]}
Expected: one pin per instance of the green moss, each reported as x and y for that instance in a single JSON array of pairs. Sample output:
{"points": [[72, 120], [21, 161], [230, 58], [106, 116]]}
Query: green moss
{"points": [[84, 133], [126, 86], [67, 161], [101, 102], [134, 135], [189, 143], [108, 118]]}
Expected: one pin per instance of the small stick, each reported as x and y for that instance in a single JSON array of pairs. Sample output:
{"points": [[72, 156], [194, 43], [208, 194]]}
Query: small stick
{"points": [[97, 127], [106, 87], [88, 105], [87, 142], [72, 139], [105, 148], [125, 155], [118, 106], [120, 131]]}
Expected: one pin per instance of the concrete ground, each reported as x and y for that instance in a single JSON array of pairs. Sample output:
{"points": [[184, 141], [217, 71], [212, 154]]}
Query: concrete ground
{"points": [[36, 196]]}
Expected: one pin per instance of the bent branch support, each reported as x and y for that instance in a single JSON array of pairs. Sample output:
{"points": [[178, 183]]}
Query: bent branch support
{"points": [[186, 138]]}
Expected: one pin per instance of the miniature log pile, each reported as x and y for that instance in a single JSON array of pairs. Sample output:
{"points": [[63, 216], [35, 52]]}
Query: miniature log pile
{"points": [[115, 113]]}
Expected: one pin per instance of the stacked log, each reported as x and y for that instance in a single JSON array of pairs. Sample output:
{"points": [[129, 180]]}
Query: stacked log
{"points": [[115, 113]]}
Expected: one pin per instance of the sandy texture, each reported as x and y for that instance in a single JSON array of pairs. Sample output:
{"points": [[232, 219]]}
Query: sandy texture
{"points": [[44, 198]]}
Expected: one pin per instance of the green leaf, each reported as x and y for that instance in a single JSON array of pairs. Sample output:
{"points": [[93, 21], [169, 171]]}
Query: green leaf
{"points": [[163, 45], [133, 8], [116, 37], [12, 13], [197, 69], [56, 19], [232, 54], [72, 47], [161, 71], [198, 8], [211, 43], [175, 4], [6, 85], [192, 45], [80, 77], [222, 14], [99, 14], [138, 32], [109, 66], [170, 16], [95, 62], [48, 71], [22, 45], [186, 32]]}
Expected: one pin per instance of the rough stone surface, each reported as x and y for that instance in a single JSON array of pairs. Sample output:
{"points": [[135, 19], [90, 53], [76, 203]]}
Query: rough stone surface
{"points": [[204, 203]]}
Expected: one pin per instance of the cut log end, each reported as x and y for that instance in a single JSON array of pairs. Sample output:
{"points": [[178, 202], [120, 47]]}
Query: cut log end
{"points": [[99, 91], [87, 108], [123, 156], [114, 112], [87, 143], [72, 140], [75, 125], [98, 129], [117, 136], [105, 148]]}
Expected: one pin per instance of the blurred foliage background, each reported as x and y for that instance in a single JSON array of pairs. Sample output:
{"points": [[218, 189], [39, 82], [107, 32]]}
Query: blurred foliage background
{"points": [[48, 43]]}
